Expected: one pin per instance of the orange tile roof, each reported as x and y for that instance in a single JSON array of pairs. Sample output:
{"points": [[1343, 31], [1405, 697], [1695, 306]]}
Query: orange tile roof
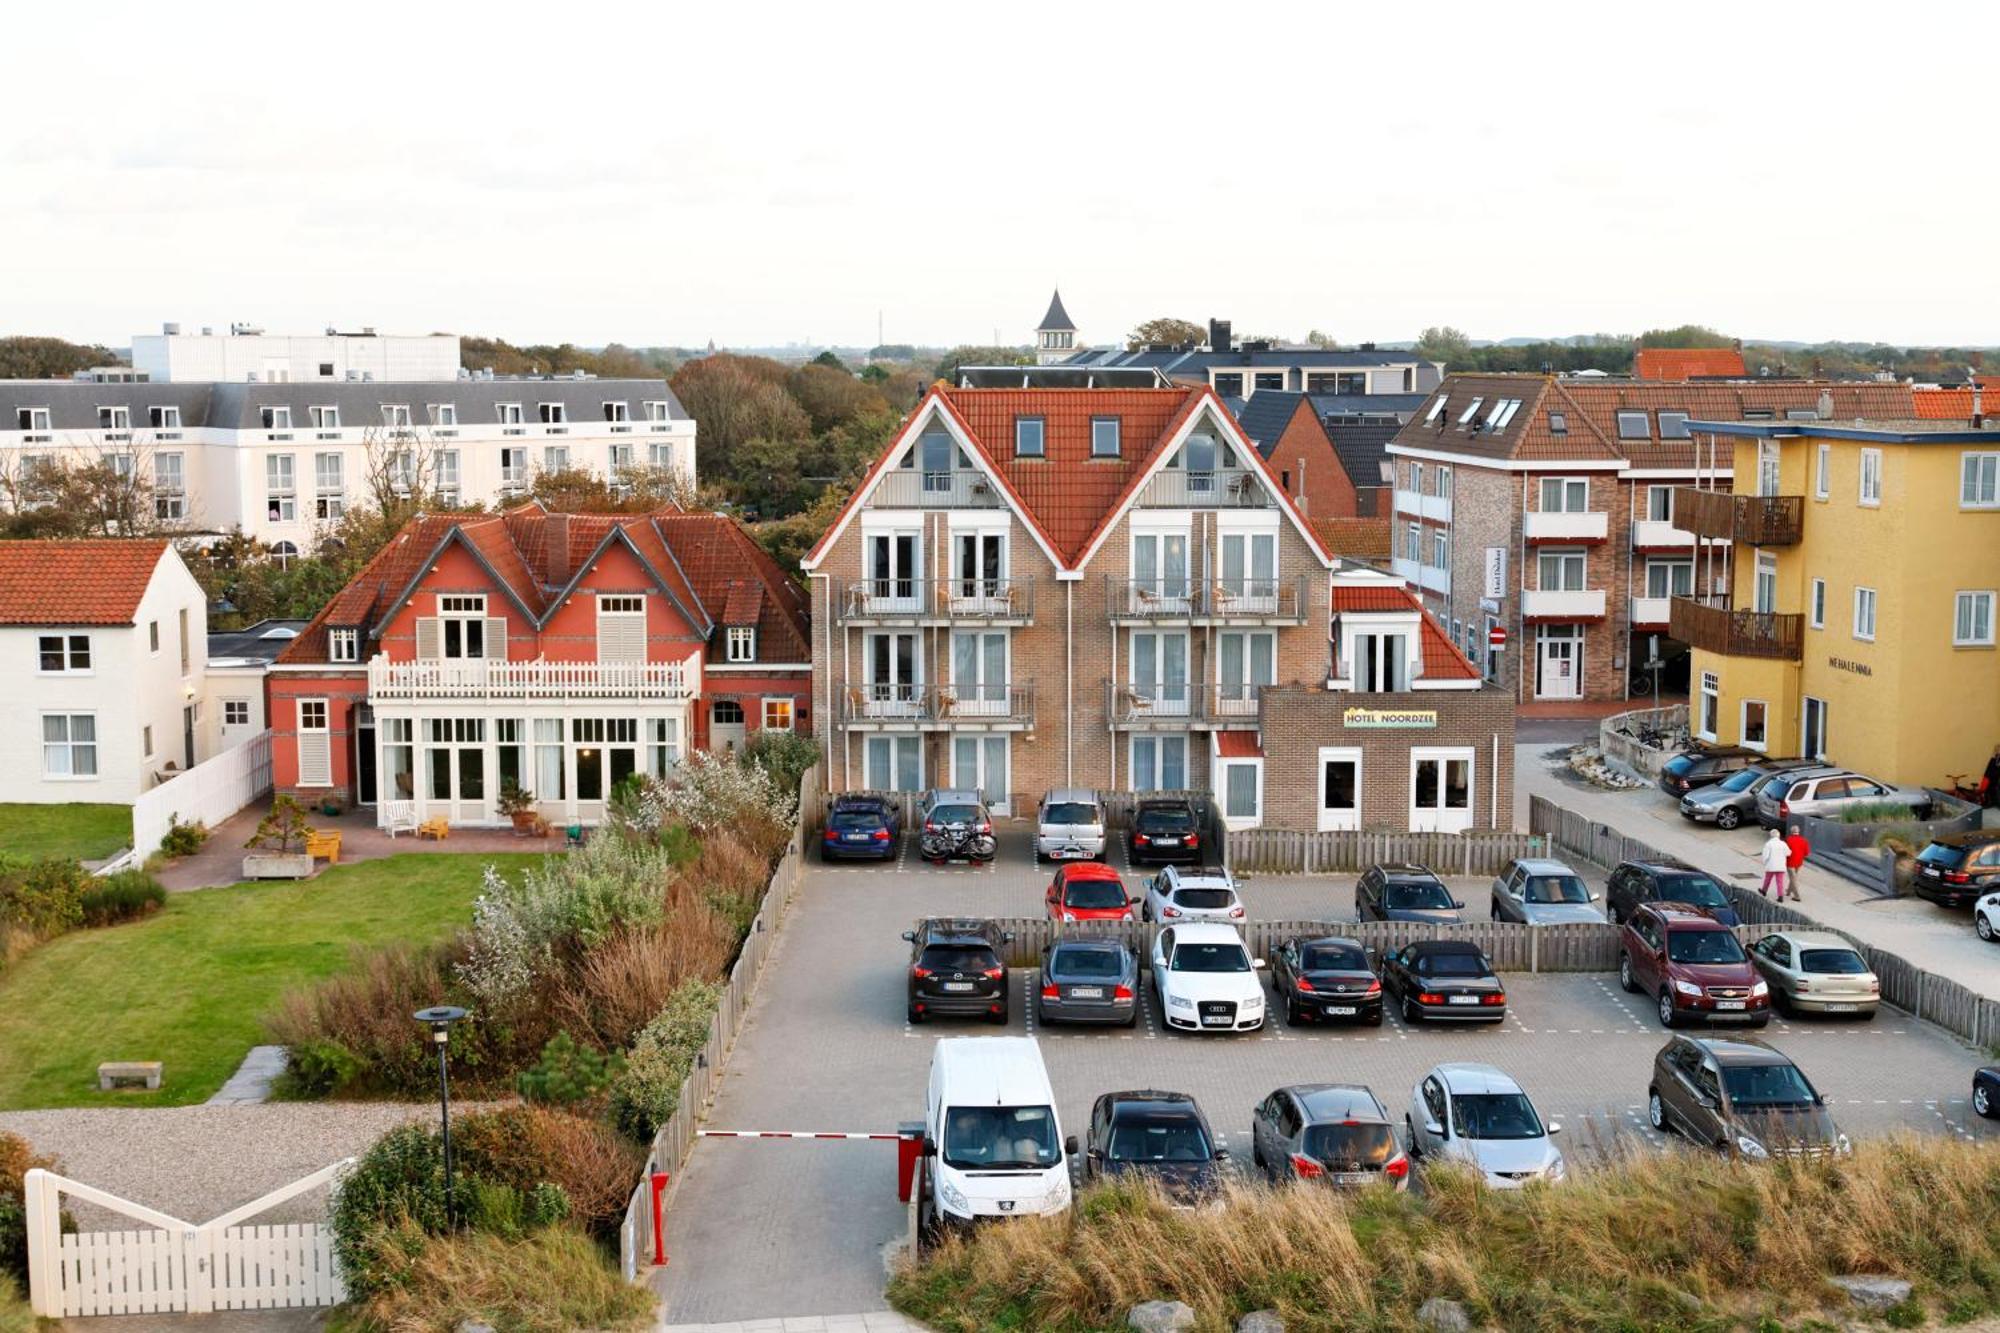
{"points": [[1684, 363], [1442, 658], [88, 582], [1361, 537], [1952, 404], [1371, 597], [1238, 745]]}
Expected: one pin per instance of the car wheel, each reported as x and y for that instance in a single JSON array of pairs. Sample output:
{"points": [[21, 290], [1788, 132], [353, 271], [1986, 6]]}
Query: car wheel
{"points": [[916, 1015], [1291, 1011], [1494, 911], [1865, 1016], [1656, 1111], [1983, 927], [1763, 1022], [1410, 1136], [1375, 1019], [1041, 1016], [999, 1019], [1982, 1101], [1728, 817], [1781, 1002], [1132, 1019], [1667, 1015], [1625, 974]]}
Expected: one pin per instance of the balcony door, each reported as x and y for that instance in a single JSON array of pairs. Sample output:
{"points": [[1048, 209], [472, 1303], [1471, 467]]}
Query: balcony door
{"points": [[978, 570], [1559, 662], [894, 571], [1339, 788], [1159, 763], [1160, 570], [893, 763], [979, 673], [1764, 591], [891, 674], [981, 762], [1440, 790], [1244, 663], [1250, 571], [1767, 467], [455, 782], [1159, 673]]}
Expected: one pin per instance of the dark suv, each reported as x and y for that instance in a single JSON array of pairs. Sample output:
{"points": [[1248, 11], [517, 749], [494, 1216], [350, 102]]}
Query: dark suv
{"points": [[1693, 966], [1164, 829], [958, 966], [1637, 882], [864, 827], [1740, 1095], [1159, 1136], [1958, 869], [1404, 893], [1705, 764]]}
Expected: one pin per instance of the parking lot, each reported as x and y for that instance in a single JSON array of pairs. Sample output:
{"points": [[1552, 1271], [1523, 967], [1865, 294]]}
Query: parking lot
{"points": [[783, 1227]]}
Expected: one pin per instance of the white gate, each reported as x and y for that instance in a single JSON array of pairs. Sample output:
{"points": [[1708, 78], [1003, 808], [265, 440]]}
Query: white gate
{"points": [[177, 1266]]}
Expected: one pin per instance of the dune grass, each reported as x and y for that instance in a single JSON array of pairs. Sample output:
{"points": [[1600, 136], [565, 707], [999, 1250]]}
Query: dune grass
{"points": [[192, 985], [80, 832], [1684, 1241]]}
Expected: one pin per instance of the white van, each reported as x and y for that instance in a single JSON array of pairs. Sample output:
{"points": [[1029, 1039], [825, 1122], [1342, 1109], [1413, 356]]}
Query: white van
{"points": [[992, 1144]]}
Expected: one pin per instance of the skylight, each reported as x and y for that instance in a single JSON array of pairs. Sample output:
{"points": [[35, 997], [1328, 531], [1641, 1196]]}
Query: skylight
{"points": [[1471, 411], [1558, 423], [1673, 425], [1503, 412], [1436, 408], [1633, 426]]}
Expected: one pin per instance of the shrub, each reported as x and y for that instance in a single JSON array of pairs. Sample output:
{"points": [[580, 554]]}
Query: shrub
{"points": [[283, 830], [124, 896], [649, 1092], [526, 1147], [785, 755], [47, 898], [568, 1073], [183, 839], [398, 1181], [551, 1281], [713, 793], [318, 1068], [15, 1316], [366, 1012]]}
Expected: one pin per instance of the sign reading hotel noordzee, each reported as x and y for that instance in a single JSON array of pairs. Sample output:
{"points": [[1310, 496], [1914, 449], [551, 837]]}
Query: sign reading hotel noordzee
{"points": [[1389, 717]]}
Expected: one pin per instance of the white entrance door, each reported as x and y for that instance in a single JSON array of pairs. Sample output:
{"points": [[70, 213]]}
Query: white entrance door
{"points": [[893, 763], [1440, 789], [1559, 662], [455, 775], [981, 762], [1339, 788]]}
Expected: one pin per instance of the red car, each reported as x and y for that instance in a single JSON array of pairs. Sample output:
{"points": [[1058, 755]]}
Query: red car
{"points": [[1088, 891]]}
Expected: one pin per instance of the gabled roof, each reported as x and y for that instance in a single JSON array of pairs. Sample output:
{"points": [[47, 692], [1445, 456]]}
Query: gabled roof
{"points": [[1442, 658], [87, 582], [1266, 414], [1057, 320], [1686, 363], [1363, 449]]}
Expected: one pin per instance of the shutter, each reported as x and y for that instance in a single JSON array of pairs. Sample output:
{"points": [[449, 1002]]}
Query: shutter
{"points": [[429, 638], [621, 638], [496, 637], [315, 759]]}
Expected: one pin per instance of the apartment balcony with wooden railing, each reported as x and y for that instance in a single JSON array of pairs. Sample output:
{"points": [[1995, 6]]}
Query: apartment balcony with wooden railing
{"points": [[478, 680], [1732, 633], [1753, 520], [937, 601], [877, 706], [1181, 705], [1240, 601]]}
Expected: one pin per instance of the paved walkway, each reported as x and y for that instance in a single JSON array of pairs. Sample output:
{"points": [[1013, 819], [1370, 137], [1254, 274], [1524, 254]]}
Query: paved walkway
{"points": [[1932, 938], [251, 1084], [1592, 708], [220, 860], [876, 1321]]}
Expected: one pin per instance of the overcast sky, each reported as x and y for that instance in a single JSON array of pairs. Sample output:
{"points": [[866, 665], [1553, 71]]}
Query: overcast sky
{"points": [[672, 173]]}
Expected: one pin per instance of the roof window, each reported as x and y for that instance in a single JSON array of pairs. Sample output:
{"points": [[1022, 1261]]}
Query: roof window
{"points": [[1673, 425], [1437, 409], [1558, 423], [1633, 426], [1471, 411], [1503, 412], [1104, 437]]}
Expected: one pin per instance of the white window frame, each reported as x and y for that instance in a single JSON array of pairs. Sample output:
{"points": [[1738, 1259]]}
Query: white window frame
{"points": [[1223, 768], [1816, 605], [1973, 597], [617, 411], [1865, 597], [1471, 410], [1709, 692], [69, 746], [1039, 428], [1763, 742], [1566, 488], [464, 608], [343, 645], [552, 414], [396, 416], [446, 480], [442, 414], [1870, 497], [276, 416], [324, 418], [1107, 431], [509, 414], [555, 458], [1668, 567], [1660, 504], [1562, 558], [1822, 472], [659, 411], [309, 711], [281, 488], [67, 645], [779, 705], [1440, 549], [329, 484], [115, 422], [1979, 480], [740, 643], [514, 470]]}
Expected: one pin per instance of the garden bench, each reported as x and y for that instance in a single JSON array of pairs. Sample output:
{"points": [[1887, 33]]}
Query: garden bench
{"points": [[113, 1072], [326, 843]]}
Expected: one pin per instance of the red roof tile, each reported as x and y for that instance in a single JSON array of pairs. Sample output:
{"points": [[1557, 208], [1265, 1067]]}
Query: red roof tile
{"points": [[75, 582], [1954, 404], [1361, 537], [1371, 597], [1442, 658], [1238, 745], [1684, 363]]}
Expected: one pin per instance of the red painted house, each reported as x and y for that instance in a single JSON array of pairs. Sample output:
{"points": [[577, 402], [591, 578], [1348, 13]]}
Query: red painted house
{"points": [[555, 652]]}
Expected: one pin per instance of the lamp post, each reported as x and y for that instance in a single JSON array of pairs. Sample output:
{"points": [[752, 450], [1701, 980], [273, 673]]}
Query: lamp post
{"points": [[439, 1020]]}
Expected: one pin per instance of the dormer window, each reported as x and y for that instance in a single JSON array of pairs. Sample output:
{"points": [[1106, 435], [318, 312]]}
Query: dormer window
{"points": [[741, 643], [1381, 662], [344, 645], [1030, 437], [396, 416], [1104, 437], [276, 418], [936, 456]]}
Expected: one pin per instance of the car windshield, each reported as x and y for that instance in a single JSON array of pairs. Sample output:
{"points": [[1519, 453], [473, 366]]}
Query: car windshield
{"points": [[1740, 780], [855, 821], [1211, 958], [994, 1138], [1703, 946], [955, 814], [958, 958], [1555, 889], [1346, 1146], [1107, 964], [1945, 856], [1494, 1115], [1681, 765], [1697, 890], [1451, 965], [1202, 899], [1415, 895], [1760, 1086], [1166, 1136], [1333, 958], [1095, 893], [1839, 962], [1166, 821], [1070, 812]]}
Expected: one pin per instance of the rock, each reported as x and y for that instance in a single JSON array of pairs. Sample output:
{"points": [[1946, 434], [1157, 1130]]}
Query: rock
{"points": [[1260, 1321], [1161, 1317], [1442, 1316], [1873, 1291], [473, 1326]]}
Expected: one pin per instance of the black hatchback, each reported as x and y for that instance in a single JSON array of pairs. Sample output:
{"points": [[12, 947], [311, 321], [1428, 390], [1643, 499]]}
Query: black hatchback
{"points": [[1958, 869], [1164, 829], [1326, 979], [958, 966]]}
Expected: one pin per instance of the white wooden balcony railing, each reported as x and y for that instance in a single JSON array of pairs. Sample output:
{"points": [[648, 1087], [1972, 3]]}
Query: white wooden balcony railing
{"points": [[477, 679]]}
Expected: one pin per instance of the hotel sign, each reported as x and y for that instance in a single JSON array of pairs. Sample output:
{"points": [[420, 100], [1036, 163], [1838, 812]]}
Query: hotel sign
{"points": [[1389, 717], [1495, 570]]}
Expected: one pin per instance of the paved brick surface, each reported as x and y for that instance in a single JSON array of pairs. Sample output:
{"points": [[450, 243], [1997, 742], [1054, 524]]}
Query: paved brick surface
{"points": [[764, 1229]]}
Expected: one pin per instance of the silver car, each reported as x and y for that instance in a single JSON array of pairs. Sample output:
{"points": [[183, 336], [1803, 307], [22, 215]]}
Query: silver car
{"points": [[1728, 803], [1824, 795], [1477, 1115], [1538, 892], [1812, 971], [1089, 981], [1070, 826]]}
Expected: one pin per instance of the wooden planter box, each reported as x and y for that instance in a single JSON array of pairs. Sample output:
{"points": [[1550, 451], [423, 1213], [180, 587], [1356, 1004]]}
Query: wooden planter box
{"points": [[278, 865]]}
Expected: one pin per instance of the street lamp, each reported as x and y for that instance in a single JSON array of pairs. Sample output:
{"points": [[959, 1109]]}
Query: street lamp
{"points": [[439, 1020]]}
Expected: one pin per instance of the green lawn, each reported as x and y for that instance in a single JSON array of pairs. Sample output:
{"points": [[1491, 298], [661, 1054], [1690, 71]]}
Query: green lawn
{"points": [[86, 832], [192, 985]]}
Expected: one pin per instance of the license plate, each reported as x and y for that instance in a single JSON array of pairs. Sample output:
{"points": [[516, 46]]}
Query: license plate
{"points": [[1166, 842], [1931, 873], [958, 985], [1343, 1010], [1729, 1004], [1216, 1021], [1353, 1178], [1086, 992], [1840, 1009], [857, 837], [1464, 999]]}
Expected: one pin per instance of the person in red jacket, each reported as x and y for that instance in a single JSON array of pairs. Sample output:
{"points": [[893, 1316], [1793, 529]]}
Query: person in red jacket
{"points": [[1795, 856]]}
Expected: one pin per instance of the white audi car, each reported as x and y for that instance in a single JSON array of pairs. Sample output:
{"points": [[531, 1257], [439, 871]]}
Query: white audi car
{"points": [[1207, 980]]}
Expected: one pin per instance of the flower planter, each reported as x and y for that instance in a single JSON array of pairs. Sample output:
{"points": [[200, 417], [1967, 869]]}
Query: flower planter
{"points": [[277, 865], [525, 822]]}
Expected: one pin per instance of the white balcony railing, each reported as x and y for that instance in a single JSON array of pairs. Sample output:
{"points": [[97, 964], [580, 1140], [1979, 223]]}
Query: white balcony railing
{"points": [[1650, 612], [1658, 534], [1583, 604], [1555, 525], [476, 679], [1418, 505], [1428, 577]]}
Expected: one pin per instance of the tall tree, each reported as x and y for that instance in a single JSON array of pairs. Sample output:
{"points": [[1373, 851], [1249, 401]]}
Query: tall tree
{"points": [[1442, 342], [1686, 335], [33, 358], [1166, 329]]}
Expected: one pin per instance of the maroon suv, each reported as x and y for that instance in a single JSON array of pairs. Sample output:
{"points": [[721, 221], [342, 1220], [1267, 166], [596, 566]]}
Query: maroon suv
{"points": [[1692, 965]]}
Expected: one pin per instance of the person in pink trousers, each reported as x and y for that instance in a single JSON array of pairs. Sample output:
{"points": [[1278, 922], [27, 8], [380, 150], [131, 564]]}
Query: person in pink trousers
{"points": [[1776, 860]]}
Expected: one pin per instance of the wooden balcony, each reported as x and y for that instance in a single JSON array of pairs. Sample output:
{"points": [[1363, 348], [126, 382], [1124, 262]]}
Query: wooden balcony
{"points": [[938, 601], [1752, 520], [1216, 601], [889, 707], [1718, 629]]}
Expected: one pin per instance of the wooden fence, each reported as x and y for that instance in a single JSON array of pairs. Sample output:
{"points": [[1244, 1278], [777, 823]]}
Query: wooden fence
{"points": [[1509, 946], [1957, 1009], [1284, 852], [676, 1138]]}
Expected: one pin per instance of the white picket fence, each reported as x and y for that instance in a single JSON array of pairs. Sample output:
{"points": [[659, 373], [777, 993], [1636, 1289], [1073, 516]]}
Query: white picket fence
{"points": [[176, 1267], [208, 793]]}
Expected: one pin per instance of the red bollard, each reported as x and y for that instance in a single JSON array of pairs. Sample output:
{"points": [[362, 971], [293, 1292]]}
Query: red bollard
{"points": [[660, 1179]]}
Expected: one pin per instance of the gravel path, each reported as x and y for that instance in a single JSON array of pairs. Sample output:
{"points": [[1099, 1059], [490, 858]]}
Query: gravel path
{"points": [[195, 1162]]}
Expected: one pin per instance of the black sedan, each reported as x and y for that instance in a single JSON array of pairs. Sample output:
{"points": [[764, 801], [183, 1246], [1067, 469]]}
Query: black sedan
{"points": [[1326, 978], [1986, 1092], [1162, 1136], [1164, 829], [1444, 979]]}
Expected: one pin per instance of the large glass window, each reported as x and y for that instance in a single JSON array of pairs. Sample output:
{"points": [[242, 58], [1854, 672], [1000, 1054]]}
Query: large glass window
{"points": [[69, 745], [548, 738], [1565, 495], [280, 489], [1560, 571]]}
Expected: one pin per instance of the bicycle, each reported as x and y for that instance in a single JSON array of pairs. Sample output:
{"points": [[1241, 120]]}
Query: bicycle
{"points": [[1955, 786]]}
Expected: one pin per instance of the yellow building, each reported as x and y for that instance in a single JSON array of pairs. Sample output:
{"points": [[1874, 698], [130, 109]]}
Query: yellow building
{"points": [[1852, 615]]}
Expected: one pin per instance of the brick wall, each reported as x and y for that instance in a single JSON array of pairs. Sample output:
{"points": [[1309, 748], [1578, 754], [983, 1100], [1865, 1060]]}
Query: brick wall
{"points": [[1310, 470]]}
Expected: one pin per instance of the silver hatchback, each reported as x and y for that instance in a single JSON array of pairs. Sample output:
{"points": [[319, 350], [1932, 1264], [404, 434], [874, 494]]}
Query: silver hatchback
{"points": [[1826, 795], [1070, 826]]}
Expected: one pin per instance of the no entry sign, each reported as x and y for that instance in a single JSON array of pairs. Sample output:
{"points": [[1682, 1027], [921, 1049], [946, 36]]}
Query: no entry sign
{"points": [[1497, 636]]}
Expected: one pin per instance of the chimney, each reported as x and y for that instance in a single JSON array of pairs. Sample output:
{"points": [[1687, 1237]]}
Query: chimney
{"points": [[1218, 336], [170, 329], [1978, 417], [558, 535]]}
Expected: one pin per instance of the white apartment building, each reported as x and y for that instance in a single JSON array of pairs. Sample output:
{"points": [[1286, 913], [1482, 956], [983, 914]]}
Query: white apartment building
{"points": [[244, 354], [283, 460]]}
